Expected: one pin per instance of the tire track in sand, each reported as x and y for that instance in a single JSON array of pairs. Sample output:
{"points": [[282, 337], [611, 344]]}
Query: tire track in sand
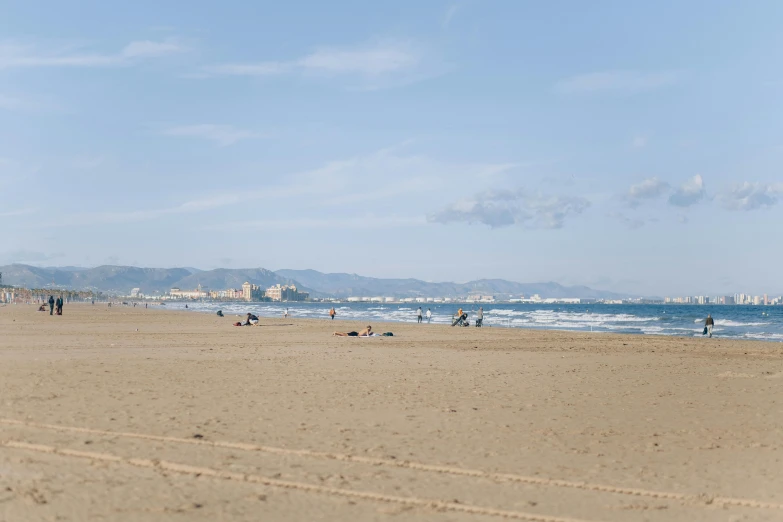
{"points": [[703, 499], [185, 469]]}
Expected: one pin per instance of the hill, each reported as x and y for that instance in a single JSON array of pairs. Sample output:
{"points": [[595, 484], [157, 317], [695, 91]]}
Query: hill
{"points": [[346, 285], [121, 279]]}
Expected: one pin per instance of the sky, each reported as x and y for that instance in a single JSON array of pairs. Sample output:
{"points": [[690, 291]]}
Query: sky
{"points": [[627, 146]]}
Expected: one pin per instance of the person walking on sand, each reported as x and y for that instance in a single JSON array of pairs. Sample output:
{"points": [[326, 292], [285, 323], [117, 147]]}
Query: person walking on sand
{"points": [[429, 315], [51, 305], [708, 324], [332, 313], [419, 316]]}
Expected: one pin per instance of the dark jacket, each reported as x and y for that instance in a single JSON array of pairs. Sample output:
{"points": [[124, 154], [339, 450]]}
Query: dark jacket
{"points": [[709, 321]]}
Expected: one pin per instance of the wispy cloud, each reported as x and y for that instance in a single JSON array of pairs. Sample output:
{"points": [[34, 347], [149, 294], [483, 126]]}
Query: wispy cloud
{"points": [[501, 208], [14, 55], [689, 193], [390, 179], [354, 222], [377, 65], [223, 135], [449, 15], [19, 212], [650, 188], [149, 49], [616, 81], [9, 102], [751, 196]]}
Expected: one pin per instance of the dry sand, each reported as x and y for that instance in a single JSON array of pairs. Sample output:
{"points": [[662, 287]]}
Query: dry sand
{"points": [[131, 414]]}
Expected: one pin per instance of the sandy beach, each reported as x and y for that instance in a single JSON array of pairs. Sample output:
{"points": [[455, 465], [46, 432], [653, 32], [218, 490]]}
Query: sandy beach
{"points": [[129, 414]]}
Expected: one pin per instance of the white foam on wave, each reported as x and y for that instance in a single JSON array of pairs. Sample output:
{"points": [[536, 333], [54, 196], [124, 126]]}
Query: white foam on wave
{"points": [[729, 322]]}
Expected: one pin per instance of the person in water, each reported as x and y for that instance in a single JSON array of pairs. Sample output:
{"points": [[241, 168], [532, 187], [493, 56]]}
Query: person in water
{"points": [[367, 332], [709, 323]]}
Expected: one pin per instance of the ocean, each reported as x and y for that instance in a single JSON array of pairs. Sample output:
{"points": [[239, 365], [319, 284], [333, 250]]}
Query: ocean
{"points": [[733, 322]]}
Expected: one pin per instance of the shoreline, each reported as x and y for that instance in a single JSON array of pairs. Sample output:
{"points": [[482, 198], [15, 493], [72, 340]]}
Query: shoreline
{"points": [[257, 308]]}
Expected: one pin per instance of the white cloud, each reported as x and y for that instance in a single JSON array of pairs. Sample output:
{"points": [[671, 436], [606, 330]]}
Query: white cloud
{"points": [[223, 135], [689, 193], [147, 48], [500, 208], [639, 142], [650, 188], [31, 56], [616, 81], [381, 64], [379, 59], [751, 196]]}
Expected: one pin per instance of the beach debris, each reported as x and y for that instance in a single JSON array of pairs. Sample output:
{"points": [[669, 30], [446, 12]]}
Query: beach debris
{"points": [[198, 436]]}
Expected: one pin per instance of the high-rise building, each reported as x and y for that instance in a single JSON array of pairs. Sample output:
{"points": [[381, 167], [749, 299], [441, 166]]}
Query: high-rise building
{"points": [[766, 300], [757, 300]]}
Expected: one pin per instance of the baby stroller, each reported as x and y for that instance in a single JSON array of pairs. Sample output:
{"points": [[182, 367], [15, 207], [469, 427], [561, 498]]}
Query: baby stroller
{"points": [[461, 320]]}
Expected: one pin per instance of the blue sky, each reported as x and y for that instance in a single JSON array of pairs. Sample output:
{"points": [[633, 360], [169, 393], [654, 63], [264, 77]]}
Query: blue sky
{"points": [[628, 146]]}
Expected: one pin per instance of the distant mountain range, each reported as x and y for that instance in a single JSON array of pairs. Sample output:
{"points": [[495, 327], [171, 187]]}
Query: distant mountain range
{"points": [[121, 279]]}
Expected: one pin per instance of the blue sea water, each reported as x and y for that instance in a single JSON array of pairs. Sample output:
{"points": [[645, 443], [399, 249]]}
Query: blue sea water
{"points": [[735, 322]]}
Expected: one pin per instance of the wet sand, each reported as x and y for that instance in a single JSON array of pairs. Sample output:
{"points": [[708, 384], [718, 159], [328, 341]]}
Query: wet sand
{"points": [[132, 414]]}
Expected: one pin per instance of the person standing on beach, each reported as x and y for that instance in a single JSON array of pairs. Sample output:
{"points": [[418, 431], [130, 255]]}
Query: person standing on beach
{"points": [[332, 313], [51, 305], [419, 316], [286, 313], [429, 315], [708, 324]]}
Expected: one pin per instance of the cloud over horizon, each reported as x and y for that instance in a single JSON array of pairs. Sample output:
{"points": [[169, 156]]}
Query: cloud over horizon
{"points": [[650, 188], [502, 208], [750, 196], [689, 193]]}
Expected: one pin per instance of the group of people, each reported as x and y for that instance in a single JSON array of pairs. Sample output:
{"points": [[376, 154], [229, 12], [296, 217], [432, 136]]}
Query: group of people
{"points": [[55, 306], [420, 316]]}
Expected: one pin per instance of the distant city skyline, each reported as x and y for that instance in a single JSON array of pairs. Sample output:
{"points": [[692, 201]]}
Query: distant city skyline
{"points": [[632, 148]]}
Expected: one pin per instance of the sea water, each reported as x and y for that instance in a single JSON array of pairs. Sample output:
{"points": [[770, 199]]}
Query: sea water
{"points": [[734, 322]]}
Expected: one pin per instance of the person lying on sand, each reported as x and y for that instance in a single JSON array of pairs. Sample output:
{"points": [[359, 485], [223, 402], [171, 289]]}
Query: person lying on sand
{"points": [[367, 332]]}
